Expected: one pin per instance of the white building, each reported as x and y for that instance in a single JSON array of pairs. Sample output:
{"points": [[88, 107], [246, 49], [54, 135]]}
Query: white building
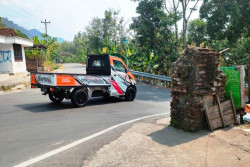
{"points": [[12, 55]]}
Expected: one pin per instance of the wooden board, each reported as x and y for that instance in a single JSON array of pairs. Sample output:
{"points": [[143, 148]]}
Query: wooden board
{"points": [[221, 115], [214, 110]]}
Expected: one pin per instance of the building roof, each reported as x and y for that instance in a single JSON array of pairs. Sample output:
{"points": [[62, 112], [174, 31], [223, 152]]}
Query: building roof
{"points": [[16, 40], [8, 36], [8, 32]]}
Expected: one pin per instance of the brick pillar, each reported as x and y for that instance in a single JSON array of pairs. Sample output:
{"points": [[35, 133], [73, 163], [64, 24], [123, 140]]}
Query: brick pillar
{"points": [[195, 77]]}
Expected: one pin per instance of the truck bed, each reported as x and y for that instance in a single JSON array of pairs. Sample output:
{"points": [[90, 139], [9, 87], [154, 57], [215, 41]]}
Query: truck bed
{"points": [[40, 79]]}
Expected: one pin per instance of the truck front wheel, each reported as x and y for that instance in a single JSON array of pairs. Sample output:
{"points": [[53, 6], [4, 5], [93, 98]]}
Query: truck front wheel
{"points": [[130, 94], [56, 98], [79, 98]]}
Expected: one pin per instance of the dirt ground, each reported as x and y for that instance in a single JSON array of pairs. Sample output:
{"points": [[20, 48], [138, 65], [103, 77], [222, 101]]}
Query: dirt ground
{"points": [[158, 145], [6, 79], [18, 81]]}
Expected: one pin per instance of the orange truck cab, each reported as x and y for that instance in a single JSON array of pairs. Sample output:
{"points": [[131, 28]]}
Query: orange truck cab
{"points": [[106, 76]]}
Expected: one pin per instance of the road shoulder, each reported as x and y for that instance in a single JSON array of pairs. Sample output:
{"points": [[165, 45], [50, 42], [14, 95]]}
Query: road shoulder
{"points": [[158, 144]]}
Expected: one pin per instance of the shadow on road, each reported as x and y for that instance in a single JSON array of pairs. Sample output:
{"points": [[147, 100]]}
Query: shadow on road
{"points": [[66, 104], [144, 93], [103, 100], [171, 136], [45, 107]]}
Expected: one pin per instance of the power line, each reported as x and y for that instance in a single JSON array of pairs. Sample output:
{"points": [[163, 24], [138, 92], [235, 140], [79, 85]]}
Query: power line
{"points": [[21, 9], [14, 7], [12, 10]]}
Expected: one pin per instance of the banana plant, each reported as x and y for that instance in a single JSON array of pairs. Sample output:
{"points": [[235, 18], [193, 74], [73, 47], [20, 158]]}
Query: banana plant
{"points": [[146, 62], [123, 51]]}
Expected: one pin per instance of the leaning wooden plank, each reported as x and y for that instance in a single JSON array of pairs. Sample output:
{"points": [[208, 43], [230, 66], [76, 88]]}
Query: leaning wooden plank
{"points": [[221, 114], [226, 105], [213, 109], [207, 116], [217, 122], [234, 112], [229, 118], [216, 115]]}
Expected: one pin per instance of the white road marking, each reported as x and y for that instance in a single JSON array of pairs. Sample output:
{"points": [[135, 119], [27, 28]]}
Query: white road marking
{"points": [[75, 143]]}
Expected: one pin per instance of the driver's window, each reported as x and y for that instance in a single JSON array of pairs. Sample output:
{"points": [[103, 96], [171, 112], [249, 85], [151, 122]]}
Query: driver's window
{"points": [[119, 66]]}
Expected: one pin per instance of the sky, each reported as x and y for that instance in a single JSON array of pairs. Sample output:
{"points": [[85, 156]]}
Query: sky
{"points": [[67, 17]]}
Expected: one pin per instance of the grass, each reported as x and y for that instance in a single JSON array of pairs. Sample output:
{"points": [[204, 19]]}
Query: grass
{"points": [[5, 88], [50, 66], [245, 126], [61, 66]]}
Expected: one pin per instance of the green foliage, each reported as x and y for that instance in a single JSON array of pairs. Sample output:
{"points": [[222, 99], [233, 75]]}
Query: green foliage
{"points": [[72, 52], [101, 32], [228, 25], [20, 34], [50, 65], [44, 56], [2, 24], [154, 36], [196, 31], [226, 19], [32, 53], [6, 87]]}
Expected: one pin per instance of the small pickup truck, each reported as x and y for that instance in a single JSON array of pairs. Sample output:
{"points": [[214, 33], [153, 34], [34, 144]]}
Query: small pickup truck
{"points": [[105, 76]]}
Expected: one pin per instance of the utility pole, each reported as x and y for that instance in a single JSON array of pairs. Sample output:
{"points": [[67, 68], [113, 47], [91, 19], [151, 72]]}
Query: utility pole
{"points": [[45, 23]]}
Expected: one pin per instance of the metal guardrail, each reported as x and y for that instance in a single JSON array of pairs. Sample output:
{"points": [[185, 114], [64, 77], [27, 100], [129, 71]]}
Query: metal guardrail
{"points": [[159, 77], [148, 75]]}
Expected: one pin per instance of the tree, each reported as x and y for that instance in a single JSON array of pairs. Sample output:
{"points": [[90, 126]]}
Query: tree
{"points": [[153, 33], [2, 24], [174, 10], [52, 44], [99, 33], [110, 25], [94, 35], [188, 6], [111, 28], [229, 20], [186, 16], [196, 31], [226, 19]]}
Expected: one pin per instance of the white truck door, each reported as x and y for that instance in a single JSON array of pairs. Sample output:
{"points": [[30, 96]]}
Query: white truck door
{"points": [[119, 79]]}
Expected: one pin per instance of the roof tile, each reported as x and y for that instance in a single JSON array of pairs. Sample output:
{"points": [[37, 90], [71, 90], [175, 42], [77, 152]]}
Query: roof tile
{"points": [[8, 32]]}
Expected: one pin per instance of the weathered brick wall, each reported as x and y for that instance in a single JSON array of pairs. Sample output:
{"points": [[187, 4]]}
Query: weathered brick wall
{"points": [[195, 77], [33, 64]]}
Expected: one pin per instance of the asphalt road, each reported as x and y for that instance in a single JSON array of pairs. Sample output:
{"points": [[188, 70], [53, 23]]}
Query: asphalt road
{"points": [[30, 125]]}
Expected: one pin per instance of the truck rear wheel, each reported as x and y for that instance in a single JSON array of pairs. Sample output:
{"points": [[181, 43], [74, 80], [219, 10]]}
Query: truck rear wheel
{"points": [[56, 98], [130, 94], [79, 98]]}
